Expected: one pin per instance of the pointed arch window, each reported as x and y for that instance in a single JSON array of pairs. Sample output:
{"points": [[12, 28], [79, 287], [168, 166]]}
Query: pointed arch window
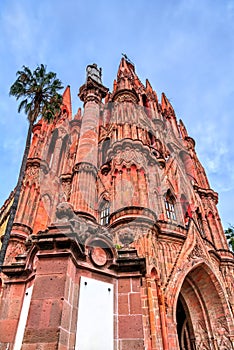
{"points": [[169, 201], [105, 147], [50, 155], [185, 206], [186, 209], [151, 138], [62, 155], [104, 212], [200, 222]]}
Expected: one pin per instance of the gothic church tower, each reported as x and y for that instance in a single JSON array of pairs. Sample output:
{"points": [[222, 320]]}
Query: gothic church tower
{"points": [[117, 242]]}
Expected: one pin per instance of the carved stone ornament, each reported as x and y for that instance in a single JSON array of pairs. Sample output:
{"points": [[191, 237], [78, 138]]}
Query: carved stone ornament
{"points": [[98, 256], [32, 174], [125, 95], [126, 237], [64, 211], [66, 189], [196, 253], [201, 335], [221, 331], [130, 152], [14, 249], [94, 73], [131, 156], [86, 167]]}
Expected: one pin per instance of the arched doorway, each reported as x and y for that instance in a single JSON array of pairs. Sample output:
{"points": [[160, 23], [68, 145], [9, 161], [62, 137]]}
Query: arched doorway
{"points": [[200, 312], [184, 326]]}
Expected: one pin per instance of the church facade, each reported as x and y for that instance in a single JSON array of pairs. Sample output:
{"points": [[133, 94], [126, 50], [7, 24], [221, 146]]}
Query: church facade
{"points": [[117, 243]]}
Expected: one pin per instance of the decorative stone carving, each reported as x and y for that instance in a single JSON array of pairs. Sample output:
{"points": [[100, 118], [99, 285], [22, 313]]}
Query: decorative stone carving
{"points": [[201, 335], [32, 174], [227, 273], [86, 167], [196, 253], [83, 228], [125, 96], [66, 189], [14, 249], [98, 256], [221, 331], [129, 152], [130, 156], [64, 211], [221, 325], [126, 237], [94, 73]]}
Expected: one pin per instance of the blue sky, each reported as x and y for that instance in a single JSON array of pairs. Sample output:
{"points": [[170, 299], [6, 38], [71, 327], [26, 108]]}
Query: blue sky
{"points": [[184, 47]]}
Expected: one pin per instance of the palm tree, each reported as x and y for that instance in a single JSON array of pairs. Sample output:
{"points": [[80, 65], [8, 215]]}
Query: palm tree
{"points": [[229, 232], [38, 92]]}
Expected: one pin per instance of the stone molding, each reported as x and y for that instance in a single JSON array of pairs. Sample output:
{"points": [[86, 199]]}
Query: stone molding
{"points": [[125, 95], [128, 152], [85, 167]]}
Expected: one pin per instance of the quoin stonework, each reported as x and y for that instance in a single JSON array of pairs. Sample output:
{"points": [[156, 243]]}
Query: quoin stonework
{"points": [[117, 243]]}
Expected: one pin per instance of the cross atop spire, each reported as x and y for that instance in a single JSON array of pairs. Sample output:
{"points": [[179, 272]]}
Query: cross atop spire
{"points": [[127, 58]]}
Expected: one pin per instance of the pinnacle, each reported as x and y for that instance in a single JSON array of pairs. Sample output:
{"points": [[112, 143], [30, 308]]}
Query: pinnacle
{"points": [[166, 104], [126, 76], [67, 100]]}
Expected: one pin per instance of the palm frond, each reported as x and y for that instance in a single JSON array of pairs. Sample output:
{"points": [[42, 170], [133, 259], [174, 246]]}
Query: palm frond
{"points": [[38, 91], [22, 105]]}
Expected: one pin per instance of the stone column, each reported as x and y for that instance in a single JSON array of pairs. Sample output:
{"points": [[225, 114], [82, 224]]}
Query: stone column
{"points": [[83, 191]]}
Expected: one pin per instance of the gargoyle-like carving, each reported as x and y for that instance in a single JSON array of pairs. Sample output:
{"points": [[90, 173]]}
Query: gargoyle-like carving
{"points": [[64, 211]]}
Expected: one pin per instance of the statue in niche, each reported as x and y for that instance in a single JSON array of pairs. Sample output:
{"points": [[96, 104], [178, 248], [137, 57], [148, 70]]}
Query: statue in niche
{"points": [[94, 73]]}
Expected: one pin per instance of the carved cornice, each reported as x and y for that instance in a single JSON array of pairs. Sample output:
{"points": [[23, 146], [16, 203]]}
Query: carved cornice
{"points": [[128, 151], [20, 227], [128, 261], [125, 95], [172, 230], [85, 167], [226, 256], [61, 239], [75, 122], [130, 213], [38, 162], [92, 91], [16, 270], [190, 142], [206, 192], [66, 177]]}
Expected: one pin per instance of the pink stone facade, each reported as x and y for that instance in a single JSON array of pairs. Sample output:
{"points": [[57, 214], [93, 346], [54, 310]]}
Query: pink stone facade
{"points": [[117, 194]]}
